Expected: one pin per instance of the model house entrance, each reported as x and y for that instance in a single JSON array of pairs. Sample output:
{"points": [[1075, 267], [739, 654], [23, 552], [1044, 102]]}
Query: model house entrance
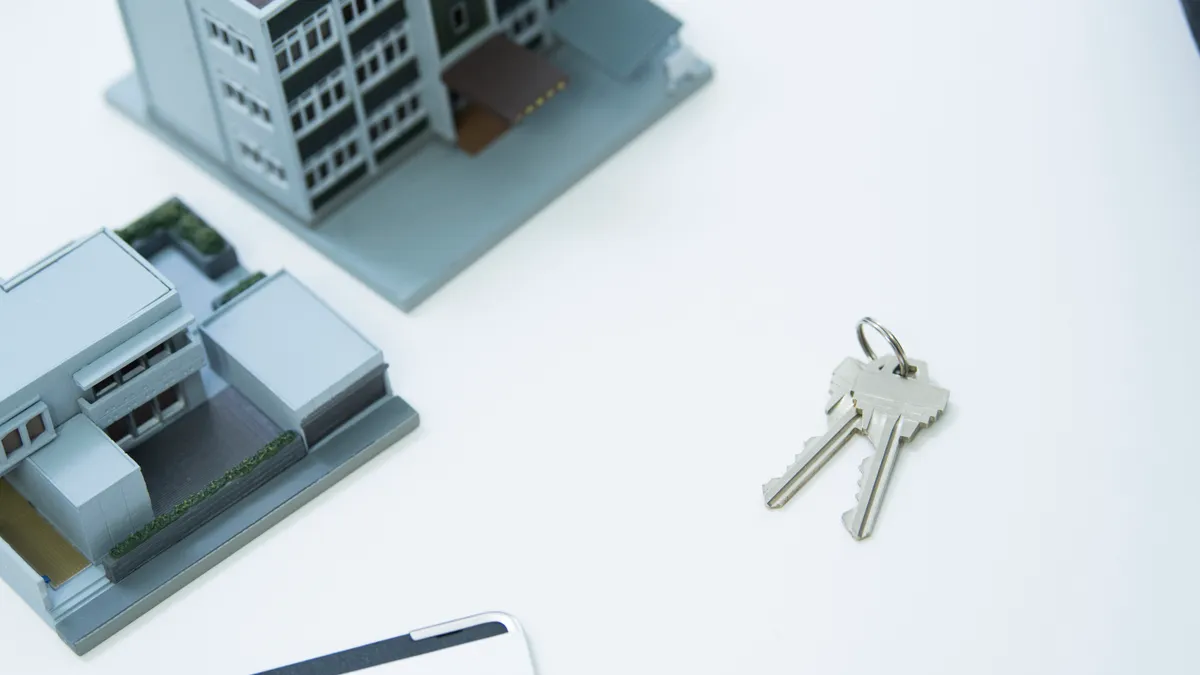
{"points": [[500, 83]]}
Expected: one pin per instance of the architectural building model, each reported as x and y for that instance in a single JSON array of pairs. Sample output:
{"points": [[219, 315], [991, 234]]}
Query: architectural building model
{"points": [[403, 138], [165, 408]]}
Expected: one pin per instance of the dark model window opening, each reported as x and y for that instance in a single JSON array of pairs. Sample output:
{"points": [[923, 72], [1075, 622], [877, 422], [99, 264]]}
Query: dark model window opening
{"points": [[297, 122], [387, 124], [237, 47], [403, 43], [458, 17], [143, 414], [374, 64], [118, 430], [281, 60], [167, 398], [266, 115], [240, 97], [326, 100], [362, 6], [213, 30], [224, 37], [339, 91], [310, 180], [313, 41], [326, 30], [250, 54], [104, 385], [348, 13], [339, 158], [352, 149], [310, 112], [12, 441], [254, 108], [389, 53], [374, 133], [296, 51], [153, 354], [323, 170], [401, 111], [414, 103], [131, 370], [229, 90], [36, 427]]}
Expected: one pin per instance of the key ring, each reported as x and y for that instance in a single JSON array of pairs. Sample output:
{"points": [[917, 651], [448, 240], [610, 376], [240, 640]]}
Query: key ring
{"points": [[905, 369]]}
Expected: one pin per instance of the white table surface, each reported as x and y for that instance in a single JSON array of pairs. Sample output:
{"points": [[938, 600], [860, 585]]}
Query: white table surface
{"points": [[1012, 187]]}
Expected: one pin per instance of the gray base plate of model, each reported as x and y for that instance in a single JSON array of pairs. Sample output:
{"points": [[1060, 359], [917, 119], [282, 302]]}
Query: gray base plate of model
{"points": [[419, 225]]}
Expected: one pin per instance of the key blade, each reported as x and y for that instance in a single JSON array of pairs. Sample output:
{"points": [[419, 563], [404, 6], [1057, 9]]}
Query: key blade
{"points": [[886, 433], [817, 452]]}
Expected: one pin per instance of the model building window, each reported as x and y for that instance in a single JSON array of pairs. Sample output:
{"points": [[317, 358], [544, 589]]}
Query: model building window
{"points": [[459, 20], [227, 39], [36, 427], [157, 354], [11, 441], [143, 415], [281, 60], [132, 370], [169, 402], [119, 430], [104, 386], [246, 103]]}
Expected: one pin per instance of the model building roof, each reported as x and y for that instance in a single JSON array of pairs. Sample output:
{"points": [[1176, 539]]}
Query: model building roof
{"points": [[68, 302], [618, 35], [292, 342]]}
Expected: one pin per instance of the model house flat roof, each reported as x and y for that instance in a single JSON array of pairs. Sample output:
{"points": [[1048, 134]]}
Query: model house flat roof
{"points": [[291, 342], [82, 461], [618, 35], [60, 307]]}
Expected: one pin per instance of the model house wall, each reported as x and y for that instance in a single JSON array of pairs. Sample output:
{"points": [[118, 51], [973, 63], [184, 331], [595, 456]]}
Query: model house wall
{"points": [[342, 373], [177, 86], [305, 100], [87, 487]]}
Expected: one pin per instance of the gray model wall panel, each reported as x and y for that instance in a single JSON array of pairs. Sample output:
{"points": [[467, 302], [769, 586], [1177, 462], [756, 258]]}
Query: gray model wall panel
{"points": [[169, 64], [250, 386]]}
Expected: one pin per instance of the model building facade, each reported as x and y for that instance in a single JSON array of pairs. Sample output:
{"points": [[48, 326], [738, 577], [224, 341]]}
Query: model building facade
{"points": [[132, 421], [403, 138], [305, 99]]}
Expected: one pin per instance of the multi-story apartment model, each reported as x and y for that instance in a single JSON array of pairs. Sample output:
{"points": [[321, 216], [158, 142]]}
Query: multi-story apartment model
{"points": [[303, 104], [130, 423]]}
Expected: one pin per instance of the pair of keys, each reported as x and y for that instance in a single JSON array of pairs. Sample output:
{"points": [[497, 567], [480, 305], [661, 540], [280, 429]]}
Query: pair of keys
{"points": [[888, 400]]}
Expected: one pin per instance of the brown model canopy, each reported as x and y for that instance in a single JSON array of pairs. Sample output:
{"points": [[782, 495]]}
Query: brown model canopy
{"points": [[506, 78]]}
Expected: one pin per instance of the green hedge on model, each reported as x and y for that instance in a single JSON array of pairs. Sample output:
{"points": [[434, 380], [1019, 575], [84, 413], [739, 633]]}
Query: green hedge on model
{"points": [[237, 290], [244, 469], [177, 217]]}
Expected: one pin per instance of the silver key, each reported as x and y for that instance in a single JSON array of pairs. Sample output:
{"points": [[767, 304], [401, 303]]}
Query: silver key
{"points": [[889, 399], [893, 409], [844, 421]]}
